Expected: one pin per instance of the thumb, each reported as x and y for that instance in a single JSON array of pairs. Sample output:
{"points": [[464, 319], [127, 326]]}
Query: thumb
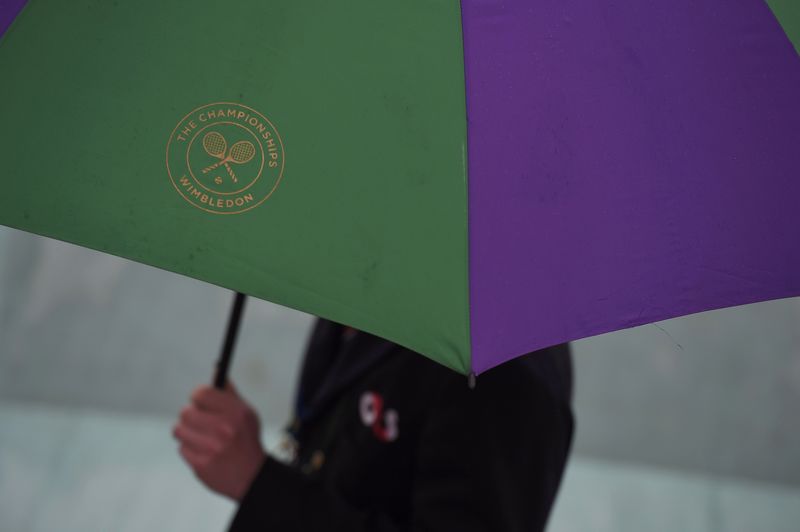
{"points": [[231, 388]]}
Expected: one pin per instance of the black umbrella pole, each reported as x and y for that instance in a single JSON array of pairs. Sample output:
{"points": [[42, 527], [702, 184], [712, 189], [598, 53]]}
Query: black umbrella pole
{"points": [[224, 362]]}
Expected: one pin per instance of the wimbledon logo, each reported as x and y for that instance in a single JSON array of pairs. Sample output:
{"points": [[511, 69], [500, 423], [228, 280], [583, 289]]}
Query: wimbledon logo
{"points": [[225, 158]]}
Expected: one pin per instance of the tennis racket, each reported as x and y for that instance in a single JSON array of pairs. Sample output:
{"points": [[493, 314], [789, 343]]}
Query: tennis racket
{"points": [[240, 153]]}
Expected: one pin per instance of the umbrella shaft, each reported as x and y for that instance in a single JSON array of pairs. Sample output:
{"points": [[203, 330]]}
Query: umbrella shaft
{"points": [[224, 362]]}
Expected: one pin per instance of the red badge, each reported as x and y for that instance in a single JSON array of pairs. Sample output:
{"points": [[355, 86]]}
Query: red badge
{"points": [[384, 424]]}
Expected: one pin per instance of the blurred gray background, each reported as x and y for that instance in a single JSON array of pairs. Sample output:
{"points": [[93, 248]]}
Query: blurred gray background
{"points": [[688, 424]]}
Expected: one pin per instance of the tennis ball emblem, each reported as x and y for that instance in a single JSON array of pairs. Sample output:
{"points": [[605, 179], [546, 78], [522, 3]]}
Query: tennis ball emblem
{"points": [[225, 158]]}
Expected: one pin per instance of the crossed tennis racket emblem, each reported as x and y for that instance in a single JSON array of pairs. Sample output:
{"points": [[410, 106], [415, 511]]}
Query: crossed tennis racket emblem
{"points": [[216, 146]]}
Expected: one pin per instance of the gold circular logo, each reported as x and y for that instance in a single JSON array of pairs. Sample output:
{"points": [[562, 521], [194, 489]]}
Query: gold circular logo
{"points": [[225, 158]]}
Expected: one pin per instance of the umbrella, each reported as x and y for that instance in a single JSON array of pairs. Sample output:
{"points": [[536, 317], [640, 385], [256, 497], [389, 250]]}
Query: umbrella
{"points": [[472, 180]]}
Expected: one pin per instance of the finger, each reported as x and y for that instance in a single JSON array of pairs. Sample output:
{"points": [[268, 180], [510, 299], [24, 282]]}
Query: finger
{"points": [[198, 441], [192, 457], [210, 399], [205, 422]]}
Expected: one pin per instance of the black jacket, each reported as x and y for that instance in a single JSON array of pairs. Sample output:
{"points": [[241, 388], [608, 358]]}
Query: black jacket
{"points": [[389, 441]]}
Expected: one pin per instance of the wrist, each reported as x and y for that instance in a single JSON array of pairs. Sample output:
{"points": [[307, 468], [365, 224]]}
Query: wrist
{"points": [[256, 465]]}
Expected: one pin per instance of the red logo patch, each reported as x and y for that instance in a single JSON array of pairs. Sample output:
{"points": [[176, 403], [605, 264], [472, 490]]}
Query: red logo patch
{"points": [[384, 423]]}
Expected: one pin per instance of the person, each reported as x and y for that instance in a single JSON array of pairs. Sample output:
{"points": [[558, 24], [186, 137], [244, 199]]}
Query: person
{"points": [[385, 440]]}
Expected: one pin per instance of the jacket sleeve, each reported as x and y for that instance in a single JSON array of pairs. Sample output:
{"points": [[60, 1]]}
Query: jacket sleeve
{"points": [[488, 459]]}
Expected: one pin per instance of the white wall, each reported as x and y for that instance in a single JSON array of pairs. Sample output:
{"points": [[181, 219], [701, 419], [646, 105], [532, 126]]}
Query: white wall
{"points": [[716, 392]]}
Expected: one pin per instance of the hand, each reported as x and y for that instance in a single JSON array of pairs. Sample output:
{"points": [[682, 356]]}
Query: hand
{"points": [[219, 435]]}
